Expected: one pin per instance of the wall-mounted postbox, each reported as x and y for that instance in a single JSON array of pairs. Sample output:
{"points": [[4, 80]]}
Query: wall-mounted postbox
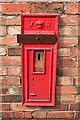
{"points": [[39, 38]]}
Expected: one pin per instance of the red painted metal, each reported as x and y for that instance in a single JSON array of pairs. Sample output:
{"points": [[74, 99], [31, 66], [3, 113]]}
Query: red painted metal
{"points": [[39, 87]]}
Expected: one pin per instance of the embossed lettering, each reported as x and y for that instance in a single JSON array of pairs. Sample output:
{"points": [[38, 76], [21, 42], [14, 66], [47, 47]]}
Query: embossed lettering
{"points": [[48, 25], [31, 23]]}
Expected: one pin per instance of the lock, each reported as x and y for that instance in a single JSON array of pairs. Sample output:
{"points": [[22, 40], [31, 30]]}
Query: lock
{"points": [[39, 40], [33, 79]]}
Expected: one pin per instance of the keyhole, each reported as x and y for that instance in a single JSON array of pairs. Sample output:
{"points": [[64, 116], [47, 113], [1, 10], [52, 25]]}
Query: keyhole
{"points": [[38, 56], [32, 79]]}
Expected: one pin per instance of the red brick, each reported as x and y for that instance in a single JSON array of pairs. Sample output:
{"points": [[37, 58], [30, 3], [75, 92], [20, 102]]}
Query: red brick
{"points": [[3, 90], [19, 114], [3, 70], [10, 60], [79, 11], [64, 81], [20, 107], [66, 62], [60, 114], [64, 52], [20, 1], [75, 31], [67, 90], [3, 1], [65, 30], [57, 107], [77, 114], [71, 8], [38, 8], [7, 80], [68, 20], [76, 81], [79, 52], [74, 51], [14, 51], [66, 98], [10, 20], [39, 114], [55, 8], [3, 31], [0, 115], [7, 114], [70, 72], [13, 30], [78, 62], [78, 71], [3, 51], [79, 28], [12, 98], [28, 115], [75, 107], [78, 97], [2, 98], [50, 8], [4, 107], [67, 42], [68, 30], [14, 70], [14, 90], [8, 40], [14, 8]]}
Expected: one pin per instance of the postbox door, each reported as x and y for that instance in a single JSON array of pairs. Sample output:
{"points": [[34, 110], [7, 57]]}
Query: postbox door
{"points": [[39, 75]]}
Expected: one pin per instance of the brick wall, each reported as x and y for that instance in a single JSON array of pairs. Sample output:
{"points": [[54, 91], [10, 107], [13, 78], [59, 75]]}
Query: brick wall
{"points": [[68, 71]]}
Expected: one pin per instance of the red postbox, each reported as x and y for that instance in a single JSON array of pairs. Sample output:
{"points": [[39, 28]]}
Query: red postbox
{"points": [[39, 39]]}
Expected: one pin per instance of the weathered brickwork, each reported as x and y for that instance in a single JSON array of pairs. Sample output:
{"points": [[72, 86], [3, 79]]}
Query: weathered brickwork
{"points": [[68, 64]]}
